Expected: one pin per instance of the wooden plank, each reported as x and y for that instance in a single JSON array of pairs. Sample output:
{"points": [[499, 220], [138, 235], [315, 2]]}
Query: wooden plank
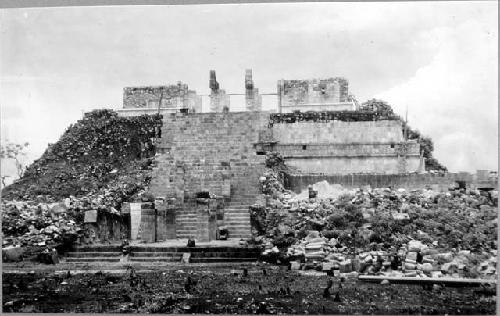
{"points": [[427, 280]]}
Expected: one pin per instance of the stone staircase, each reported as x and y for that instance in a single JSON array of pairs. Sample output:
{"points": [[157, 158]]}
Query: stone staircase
{"points": [[95, 254], [214, 152], [186, 222], [198, 254]]}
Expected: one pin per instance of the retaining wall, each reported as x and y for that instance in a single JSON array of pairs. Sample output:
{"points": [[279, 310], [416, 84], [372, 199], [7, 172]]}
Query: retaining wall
{"points": [[347, 165], [339, 132], [338, 147], [299, 182]]}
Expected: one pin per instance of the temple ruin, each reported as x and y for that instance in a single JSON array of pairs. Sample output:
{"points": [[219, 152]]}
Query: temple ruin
{"points": [[318, 130]]}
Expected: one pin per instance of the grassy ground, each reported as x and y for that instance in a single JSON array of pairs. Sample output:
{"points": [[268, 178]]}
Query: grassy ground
{"points": [[216, 289]]}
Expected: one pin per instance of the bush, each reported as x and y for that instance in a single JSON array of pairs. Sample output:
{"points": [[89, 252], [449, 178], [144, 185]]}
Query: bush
{"points": [[283, 242], [258, 219], [330, 234], [338, 221]]}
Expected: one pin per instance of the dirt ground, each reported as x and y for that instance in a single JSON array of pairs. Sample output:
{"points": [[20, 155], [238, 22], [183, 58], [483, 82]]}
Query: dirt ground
{"points": [[223, 289]]}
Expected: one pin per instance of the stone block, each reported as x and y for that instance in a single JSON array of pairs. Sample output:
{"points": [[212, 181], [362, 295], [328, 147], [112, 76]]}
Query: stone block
{"points": [[315, 255], [410, 261], [14, 254], [327, 266], [148, 225], [315, 246], [449, 268], [295, 265], [355, 264], [90, 216], [346, 266], [186, 257], [368, 259], [427, 267], [411, 256], [410, 266], [125, 209]]}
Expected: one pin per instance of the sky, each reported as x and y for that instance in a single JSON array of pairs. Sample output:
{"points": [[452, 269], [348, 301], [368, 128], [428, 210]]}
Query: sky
{"points": [[436, 60]]}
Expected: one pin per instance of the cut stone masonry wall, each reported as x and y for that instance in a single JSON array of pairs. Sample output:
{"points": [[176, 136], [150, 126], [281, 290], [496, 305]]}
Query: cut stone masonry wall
{"points": [[214, 152], [173, 97]]}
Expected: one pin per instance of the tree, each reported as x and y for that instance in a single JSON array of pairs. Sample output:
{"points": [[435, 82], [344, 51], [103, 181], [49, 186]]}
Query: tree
{"points": [[15, 152], [3, 180], [426, 144], [379, 106]]}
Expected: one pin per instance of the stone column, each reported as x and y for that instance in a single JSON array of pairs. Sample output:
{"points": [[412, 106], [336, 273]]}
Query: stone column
{"points": [[252, 98], [202, 216], [218, 97]]}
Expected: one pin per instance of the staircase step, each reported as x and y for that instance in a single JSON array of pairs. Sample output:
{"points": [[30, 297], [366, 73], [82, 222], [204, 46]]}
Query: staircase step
{"points": [[155, 259], [212, 260], [93, 254], [108, 248], [235, 219], [155, 254], [240, 235], [94, 259]]}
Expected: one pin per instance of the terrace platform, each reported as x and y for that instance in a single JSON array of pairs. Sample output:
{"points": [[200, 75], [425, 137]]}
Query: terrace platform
{"points": [[168, 251]]}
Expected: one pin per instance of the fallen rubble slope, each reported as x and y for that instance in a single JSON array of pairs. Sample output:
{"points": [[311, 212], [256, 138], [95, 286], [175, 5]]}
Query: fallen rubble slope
{"points": [[99, 162], [92, 153]]}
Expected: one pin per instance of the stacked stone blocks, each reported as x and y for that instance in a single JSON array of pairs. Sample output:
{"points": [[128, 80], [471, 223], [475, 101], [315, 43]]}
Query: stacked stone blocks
{"points": [[214, 152]]}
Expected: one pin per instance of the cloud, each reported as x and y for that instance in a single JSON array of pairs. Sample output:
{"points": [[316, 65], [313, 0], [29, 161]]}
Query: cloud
{"points": [[453, 99], [436, 58]]}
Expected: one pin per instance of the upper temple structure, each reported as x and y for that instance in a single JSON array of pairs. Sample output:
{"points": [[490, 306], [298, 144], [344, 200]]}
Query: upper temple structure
{"points": [[292, 95], [318, 127], [151, 99], [314, 95]]}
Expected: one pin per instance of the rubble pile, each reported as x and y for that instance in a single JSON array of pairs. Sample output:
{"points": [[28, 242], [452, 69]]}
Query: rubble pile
{"points": [[411, 233], [36, 227], [90, 154], [100, 162], [52, 224]]}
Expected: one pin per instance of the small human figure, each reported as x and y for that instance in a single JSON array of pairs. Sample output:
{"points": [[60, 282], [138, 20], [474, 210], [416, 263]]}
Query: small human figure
{"points": [[420, 257], [395, 262], [326, 291]]}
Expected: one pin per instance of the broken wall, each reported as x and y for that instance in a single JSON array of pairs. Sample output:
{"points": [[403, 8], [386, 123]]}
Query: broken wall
{"points": [[329, 94], [168, 97]]}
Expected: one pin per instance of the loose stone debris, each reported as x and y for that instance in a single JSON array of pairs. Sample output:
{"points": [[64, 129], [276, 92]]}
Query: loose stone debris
{"points": [[420, 233]]}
